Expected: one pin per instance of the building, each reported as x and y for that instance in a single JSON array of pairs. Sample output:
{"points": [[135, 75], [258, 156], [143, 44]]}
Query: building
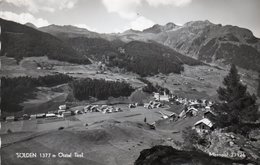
{"points": [[60, 111], [134, 105], [78, 111], [40, 115], [166, 116], [55, 112], [87, 108], [195, 105], [118, 109], [209, 114], [66, 114], [9, 118], [182, 114], [50, 115], [191, 112], [62, 107], [32, 117], [147, 105], [163, 97], [26, 117], [203, 125]]}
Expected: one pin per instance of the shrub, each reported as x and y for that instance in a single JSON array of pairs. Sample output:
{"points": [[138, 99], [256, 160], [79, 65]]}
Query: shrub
{"points": [[191, 138]]}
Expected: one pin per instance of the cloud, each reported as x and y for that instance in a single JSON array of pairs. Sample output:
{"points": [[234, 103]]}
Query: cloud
{"points": [[127, 8], [141, 23], [84, 26], [23, 18], [44, 5], [177, 3]]}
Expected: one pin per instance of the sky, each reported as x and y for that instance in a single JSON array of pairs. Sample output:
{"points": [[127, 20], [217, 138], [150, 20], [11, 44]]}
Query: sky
{"points": [[111, 16]]}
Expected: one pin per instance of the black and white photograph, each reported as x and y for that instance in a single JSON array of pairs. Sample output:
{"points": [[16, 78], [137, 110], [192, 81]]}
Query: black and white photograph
{"points": [[130, 82]]}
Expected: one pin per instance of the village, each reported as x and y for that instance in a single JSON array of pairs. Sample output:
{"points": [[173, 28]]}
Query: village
{"points": [[158, 107], [160, 117]]}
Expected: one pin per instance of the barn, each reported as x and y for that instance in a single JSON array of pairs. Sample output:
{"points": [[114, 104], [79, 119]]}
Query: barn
{"points": [[209, 115], [203, 125]]}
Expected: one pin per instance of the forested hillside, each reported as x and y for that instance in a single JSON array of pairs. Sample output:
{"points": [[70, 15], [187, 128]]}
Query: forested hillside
{"points": [[100, 89], [14, 91], [20, 41], [139, 57]]}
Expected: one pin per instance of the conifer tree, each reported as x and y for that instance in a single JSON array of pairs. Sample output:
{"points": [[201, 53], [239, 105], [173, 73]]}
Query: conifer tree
{"points": [[237, 105], [258, 89]]}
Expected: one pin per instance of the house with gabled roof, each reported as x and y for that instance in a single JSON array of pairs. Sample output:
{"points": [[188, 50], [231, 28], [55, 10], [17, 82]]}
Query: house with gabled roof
{"points": [[203, 125]]}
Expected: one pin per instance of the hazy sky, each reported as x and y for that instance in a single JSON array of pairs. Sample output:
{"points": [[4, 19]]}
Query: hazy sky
{"points": [[118, 15]]}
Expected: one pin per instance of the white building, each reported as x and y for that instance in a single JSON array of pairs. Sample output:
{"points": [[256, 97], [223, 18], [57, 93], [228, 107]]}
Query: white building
{"points": [[62, 107], [163, 97], [50, 115], [9, 118]]}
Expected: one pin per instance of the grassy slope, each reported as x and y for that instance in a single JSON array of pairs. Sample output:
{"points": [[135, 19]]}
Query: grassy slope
{"points": [[107, 143]]}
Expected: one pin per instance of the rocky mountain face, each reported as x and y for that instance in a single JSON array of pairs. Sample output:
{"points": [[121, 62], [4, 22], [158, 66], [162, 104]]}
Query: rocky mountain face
{"points": [[159, 28], [203, 40], [72, 44]]}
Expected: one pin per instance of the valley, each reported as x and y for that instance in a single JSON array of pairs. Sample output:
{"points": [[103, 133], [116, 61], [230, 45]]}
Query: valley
{"points": [[117, 98]]}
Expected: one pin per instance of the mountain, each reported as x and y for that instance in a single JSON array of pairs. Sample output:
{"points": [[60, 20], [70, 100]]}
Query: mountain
{"points": [[205, 41], [159, 28], [143, 58], [20, 41], [153, 58], [201, 40], [130, 31], [68, 31]]}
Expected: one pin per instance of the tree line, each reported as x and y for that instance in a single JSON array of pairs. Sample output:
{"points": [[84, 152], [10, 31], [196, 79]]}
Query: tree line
{"points": [[258, 89], [16, 90], [99, 88]]}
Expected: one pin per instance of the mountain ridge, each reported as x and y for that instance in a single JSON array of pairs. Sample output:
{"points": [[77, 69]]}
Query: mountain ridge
{"points": [[68, 31], [161, 28], [23, 41], [19, 41], [203, 40], [208, 42]]}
